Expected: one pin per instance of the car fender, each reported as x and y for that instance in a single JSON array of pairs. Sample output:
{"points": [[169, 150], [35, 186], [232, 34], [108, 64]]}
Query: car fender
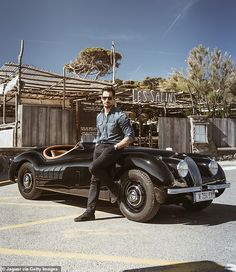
{"points": [[154, 167], [221, 172], [33, 157]]}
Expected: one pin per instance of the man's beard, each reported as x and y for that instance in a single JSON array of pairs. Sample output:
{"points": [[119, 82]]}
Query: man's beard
{"points": [[108, 106]]}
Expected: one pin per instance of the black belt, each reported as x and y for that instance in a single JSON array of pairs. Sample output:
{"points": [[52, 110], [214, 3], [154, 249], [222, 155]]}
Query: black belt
{"points": [[105, 142]]}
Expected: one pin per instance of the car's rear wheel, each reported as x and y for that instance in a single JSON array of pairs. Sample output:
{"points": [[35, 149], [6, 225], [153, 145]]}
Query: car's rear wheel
{"points": [[190, 206], [26, 182], [138, 202]]}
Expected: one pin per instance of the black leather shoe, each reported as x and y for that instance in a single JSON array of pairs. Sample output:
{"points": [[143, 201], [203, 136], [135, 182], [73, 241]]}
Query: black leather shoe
{"points": [[85, 217]]}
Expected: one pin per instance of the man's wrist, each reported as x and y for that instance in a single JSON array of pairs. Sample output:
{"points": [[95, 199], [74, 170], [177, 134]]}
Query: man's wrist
{"points": [[115, 146]]}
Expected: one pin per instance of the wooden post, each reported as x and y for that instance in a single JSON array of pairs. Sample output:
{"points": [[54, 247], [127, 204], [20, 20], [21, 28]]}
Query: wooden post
{"points": [[150, 135], [20, 64], [140, 133], [165, 109], [4, 109], [64, 87], [18, 93], [77, 120]]}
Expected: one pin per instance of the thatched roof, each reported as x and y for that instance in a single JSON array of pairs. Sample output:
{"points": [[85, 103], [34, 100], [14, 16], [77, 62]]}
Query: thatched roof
{"points": [[43, 87]]}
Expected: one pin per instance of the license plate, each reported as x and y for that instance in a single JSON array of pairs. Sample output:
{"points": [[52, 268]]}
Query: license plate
{"points": [[204, 196]]}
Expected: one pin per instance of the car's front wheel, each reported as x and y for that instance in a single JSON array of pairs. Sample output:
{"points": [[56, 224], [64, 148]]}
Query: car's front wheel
{"points": [[138, 202], [26, 182]]}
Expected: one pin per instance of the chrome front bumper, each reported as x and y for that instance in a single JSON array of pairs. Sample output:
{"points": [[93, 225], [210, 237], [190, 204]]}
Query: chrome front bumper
{"points": [[176, 191]]}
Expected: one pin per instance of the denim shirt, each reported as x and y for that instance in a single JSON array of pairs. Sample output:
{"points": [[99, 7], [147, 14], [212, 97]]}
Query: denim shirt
{"points": [[114, 127]]}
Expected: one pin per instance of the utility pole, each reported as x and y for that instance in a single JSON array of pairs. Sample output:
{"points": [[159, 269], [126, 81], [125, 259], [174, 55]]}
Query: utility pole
{"points": [[113, 62]]}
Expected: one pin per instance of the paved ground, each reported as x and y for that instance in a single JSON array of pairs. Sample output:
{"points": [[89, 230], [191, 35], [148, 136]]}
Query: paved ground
{"points": [[228, 165], [42, 233]]}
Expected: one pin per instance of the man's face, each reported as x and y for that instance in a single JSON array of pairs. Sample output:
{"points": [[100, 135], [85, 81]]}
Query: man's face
{"points": [[107, 99]]}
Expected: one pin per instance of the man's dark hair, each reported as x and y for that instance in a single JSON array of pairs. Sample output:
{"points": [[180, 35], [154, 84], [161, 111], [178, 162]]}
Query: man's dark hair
{"points": [[109, 89]]}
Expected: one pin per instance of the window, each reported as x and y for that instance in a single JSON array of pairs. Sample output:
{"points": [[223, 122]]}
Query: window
{"points": [[200, 133]]}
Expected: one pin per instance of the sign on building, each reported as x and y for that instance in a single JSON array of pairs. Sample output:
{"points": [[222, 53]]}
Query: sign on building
{"points": [[157, 97]]}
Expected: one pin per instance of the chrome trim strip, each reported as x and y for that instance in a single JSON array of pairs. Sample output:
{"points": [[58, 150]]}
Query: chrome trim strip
{"points": [[183, 190], [218, 186], [176, 191]]}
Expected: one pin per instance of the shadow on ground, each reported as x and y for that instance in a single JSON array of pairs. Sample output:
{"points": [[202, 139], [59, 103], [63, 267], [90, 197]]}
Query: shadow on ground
{"points": [[202, 266], [168, 214], [214, 215], [5, 182], [81, 202]]}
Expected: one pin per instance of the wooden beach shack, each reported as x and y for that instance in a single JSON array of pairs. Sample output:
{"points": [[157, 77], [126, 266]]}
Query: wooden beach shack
{"points": [[46, 108]]}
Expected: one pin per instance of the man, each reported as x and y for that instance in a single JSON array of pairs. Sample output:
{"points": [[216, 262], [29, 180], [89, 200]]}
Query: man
{"points": [[114, 132]]}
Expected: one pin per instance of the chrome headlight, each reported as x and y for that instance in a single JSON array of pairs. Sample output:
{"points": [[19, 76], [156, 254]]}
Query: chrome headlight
{"points": [[182, 168], [213, 167]]}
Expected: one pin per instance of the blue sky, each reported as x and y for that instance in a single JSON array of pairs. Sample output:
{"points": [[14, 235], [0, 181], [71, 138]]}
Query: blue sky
{"points": [[153, 36]]}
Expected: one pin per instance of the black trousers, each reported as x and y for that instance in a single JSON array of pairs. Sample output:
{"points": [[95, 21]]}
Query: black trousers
{"points": [[104, 157]]}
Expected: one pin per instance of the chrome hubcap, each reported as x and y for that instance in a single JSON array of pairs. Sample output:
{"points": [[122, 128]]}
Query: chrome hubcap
{"points": [[27, 180], [135, 196]]}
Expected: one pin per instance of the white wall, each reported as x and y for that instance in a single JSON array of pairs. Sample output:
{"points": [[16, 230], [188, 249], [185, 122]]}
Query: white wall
{"points": [[7, 138]]}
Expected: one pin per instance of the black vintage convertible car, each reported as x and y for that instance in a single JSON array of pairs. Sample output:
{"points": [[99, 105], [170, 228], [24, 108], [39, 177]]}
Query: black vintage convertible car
{"points": [[148, 177]]}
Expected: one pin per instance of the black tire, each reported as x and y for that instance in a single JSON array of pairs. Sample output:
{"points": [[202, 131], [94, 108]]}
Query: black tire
{"points": [[137, 202], [27, 183], [199, 206]]}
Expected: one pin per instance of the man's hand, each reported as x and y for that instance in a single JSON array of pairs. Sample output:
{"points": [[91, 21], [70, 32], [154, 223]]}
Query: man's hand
{"points": [[123, 143]]}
